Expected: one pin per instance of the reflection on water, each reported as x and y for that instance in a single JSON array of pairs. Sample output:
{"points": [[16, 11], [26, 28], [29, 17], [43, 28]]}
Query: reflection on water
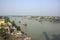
{"points": [[37, 30], [56, 37], [46, 35]]}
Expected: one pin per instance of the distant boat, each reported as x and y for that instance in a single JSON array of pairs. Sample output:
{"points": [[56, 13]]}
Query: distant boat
{"points": [[24, 23]]}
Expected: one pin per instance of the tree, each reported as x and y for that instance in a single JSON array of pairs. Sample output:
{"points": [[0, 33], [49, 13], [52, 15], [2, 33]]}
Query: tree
{"points": [[3, 24], [42, 17], [58, 19], [6, 19], [18, 28], [13, 23], [3, 33], [1, 17]]}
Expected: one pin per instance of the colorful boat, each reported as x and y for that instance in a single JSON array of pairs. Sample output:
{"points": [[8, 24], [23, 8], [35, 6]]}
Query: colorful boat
{"points": [[24, 23]]}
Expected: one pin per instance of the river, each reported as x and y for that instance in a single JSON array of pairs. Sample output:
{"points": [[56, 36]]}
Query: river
{"points": [[35, 29]]}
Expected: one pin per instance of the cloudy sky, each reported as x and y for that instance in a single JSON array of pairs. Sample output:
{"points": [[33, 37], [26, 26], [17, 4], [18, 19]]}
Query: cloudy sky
{"points": [[30, 7]]}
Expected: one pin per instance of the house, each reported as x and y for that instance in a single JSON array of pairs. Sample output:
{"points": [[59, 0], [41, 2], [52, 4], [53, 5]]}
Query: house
{"points": [[2, 21]]}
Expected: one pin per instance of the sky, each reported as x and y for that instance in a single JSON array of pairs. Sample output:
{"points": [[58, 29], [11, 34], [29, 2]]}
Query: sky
{"points": [[30, 7]]}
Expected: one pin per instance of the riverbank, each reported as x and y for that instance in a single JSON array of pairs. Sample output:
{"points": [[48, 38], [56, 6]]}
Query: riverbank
{"points": [[10, 31]]}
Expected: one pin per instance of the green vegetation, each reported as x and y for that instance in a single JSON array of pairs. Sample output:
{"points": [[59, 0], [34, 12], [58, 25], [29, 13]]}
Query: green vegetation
{"points": [[3, 33], [42, 17], [54, 20], [13, 23], [58, 19], [18, 28], [6, 19], [1, 17], [3, 24]]}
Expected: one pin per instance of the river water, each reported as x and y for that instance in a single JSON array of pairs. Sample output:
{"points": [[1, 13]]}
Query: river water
{"points": [[35, 29]]}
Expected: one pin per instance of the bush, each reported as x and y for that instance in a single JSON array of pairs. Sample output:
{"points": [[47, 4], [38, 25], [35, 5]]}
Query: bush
{"points": [[13, 23], [3, 24], [3, 33], [6, 19], [18, 28]]}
